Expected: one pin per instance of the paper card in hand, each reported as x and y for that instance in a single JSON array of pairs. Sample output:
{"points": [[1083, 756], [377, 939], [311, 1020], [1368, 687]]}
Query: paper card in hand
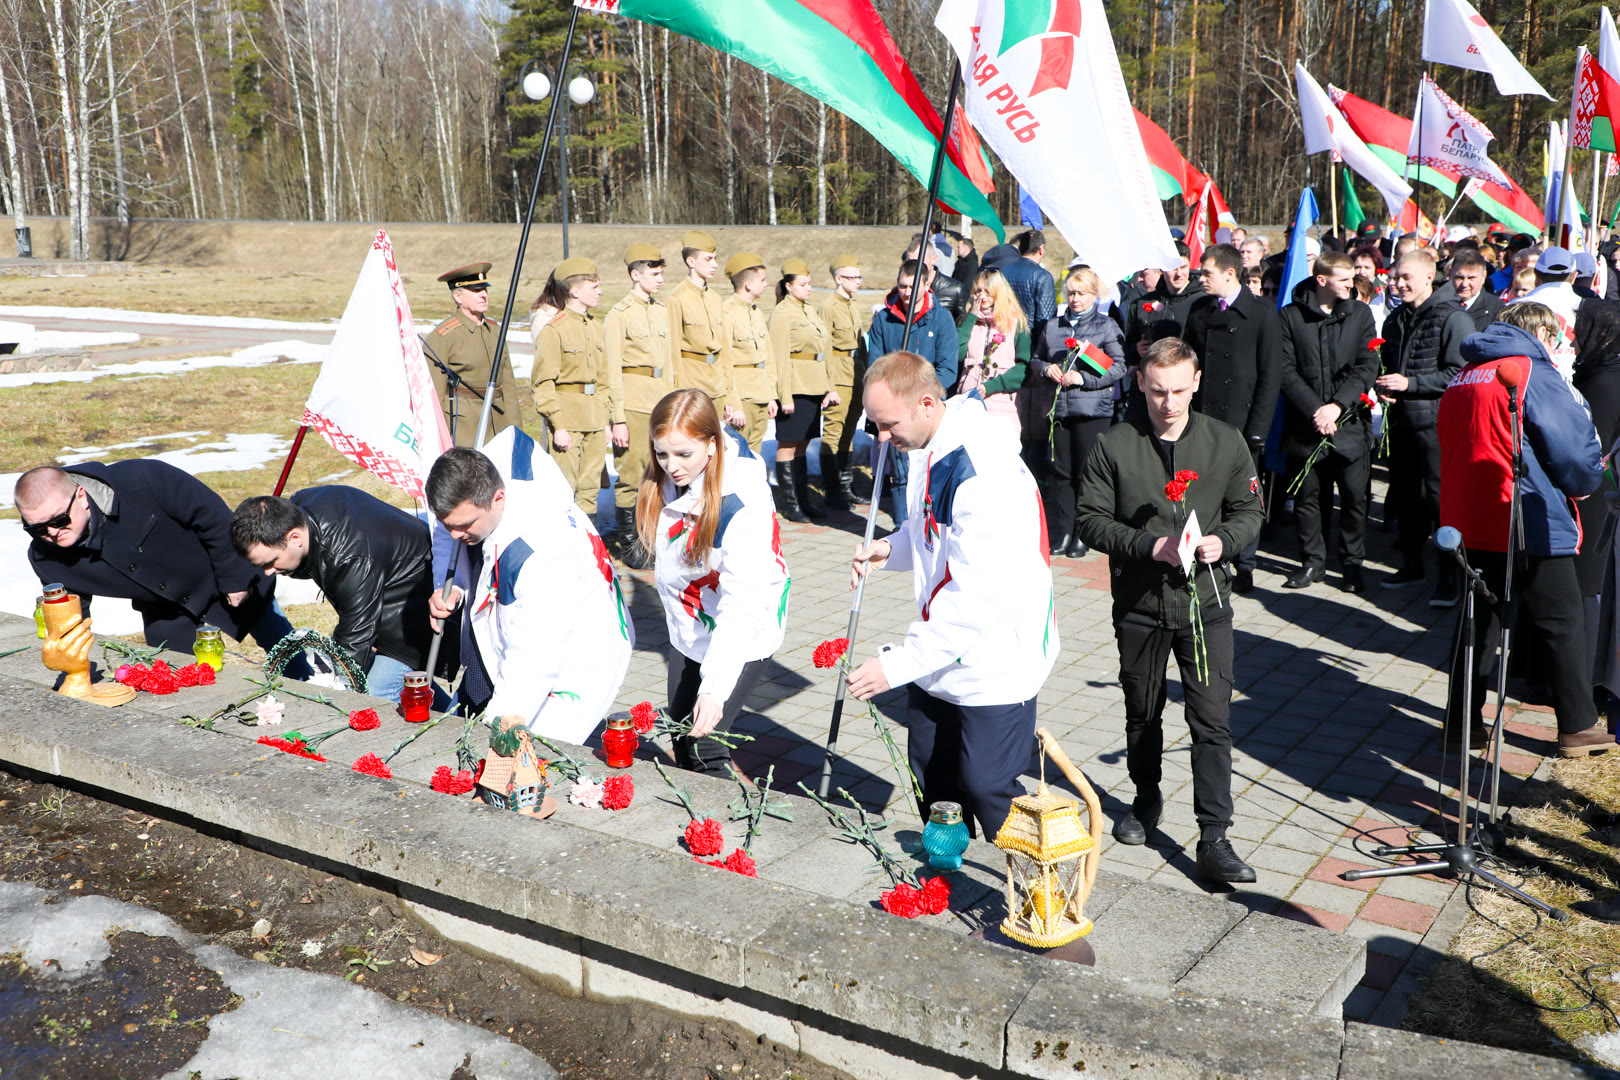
{"points": [[1187, 546]]}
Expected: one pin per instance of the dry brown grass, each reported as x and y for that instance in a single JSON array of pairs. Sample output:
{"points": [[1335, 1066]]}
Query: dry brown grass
{"points": [[1514, 980]]}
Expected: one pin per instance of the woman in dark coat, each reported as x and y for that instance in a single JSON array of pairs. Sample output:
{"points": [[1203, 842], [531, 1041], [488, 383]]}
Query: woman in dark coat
{"points": [[1085, 399], [1597, 377]]}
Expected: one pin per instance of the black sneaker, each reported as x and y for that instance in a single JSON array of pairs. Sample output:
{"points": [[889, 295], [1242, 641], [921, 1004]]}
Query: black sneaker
{"points": [[1446, 594], [1218, 862], [1134, 827], [1406, 575]]}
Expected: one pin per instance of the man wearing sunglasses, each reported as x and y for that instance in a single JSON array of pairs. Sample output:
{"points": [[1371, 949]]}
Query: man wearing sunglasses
{"points": [[156, 536]]}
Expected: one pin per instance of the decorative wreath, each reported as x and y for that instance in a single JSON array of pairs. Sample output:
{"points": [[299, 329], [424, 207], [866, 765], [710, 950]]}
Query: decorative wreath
{"points": [[342, 661]]}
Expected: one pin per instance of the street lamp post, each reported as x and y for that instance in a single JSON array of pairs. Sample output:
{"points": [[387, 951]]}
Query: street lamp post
{"points": [[581, 91]]}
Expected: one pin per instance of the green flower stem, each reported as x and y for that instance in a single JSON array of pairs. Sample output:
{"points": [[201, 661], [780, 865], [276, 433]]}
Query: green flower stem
{"points": [[863, 831], [897, 761], [279, 686], [681, 793]]}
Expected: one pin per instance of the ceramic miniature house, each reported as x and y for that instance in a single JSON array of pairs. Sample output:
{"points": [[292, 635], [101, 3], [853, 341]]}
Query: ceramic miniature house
{"points": [[518, 782]]}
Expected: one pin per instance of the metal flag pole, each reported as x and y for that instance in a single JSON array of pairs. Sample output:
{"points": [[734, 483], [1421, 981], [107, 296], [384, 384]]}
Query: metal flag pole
{"points": [[917, 287], [506, 315]]}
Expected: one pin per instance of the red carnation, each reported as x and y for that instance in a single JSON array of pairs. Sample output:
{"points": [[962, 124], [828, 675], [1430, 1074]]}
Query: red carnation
{"points": [[829, 652], [643, 716], [1186, 476], [1150, 305], [739, 862], [364, 719], [704, 837], [1367, 400], [187, 675], [161, 667], [290, 747], [902, 900], [372, 765], [161, 682], [1175, 490], [478, 773], [451, 783], [1071, 343], [1375, 344], [936, 895], [133, 675], [617, 791]]}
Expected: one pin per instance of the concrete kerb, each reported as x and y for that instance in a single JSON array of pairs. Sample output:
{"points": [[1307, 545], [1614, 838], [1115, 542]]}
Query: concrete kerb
{"points": [[853, 983]]}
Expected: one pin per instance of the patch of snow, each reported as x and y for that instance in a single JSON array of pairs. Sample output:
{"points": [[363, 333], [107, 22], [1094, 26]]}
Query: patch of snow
{"points": [[1605, 1047], [100, 314], [291, 1024], [76, 455], [19, 588], [41, 340], [299, 352]]}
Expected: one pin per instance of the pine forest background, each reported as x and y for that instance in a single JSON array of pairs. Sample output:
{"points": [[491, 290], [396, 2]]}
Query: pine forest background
{"points": [[361, 110]]}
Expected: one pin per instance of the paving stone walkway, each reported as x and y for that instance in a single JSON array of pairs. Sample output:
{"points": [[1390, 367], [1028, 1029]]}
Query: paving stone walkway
{"points": [[1336, 726]]}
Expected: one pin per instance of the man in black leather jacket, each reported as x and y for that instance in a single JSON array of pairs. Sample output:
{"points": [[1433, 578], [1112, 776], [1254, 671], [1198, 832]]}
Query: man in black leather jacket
{"points": [[373, 562]]}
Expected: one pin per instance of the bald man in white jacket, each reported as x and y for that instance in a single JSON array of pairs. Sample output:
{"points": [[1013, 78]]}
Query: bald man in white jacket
{"points": [[986, 635]]}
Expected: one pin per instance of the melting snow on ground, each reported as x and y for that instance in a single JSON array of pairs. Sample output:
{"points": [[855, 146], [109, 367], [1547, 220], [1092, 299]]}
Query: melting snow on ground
{"points": [[291, 1024], [299, 352], [45, 340]]}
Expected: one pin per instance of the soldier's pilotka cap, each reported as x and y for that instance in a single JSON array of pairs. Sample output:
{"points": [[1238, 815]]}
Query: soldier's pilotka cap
{"points": [[795, 268], [842, 262], [574, 267], [642, 253], [699, 241], [743, 260], [475, 276]]}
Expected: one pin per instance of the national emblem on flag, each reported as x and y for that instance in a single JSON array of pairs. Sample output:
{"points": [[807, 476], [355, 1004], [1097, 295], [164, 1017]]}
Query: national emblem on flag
{"points": [[1597, 101]]}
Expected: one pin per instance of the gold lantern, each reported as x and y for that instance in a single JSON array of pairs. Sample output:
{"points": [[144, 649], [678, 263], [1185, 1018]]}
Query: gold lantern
{"points": [[1051, 858]]}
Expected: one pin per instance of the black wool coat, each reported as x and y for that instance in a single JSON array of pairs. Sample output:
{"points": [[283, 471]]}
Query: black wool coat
{"points": [[1240, 352]]}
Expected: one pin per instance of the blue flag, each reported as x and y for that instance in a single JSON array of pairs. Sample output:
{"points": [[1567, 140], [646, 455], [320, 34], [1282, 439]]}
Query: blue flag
{"points": [[1298, 267], [1029, 210]]}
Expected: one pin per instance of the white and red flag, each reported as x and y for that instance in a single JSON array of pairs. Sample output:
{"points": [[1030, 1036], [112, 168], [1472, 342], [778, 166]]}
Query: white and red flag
{"points": [[1454, 33], [1201, 225], [1327, 129], [1445, 136], [373, 400], [1041, 83]]}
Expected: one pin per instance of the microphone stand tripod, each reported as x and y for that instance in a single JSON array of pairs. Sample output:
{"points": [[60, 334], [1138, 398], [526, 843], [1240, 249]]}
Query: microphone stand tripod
{"points": [[1462, 856]]}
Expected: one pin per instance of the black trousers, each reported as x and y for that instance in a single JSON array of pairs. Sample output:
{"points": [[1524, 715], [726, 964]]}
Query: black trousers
{"points": [[1072, 441], [1414, 482], [1144, 653], [970, 754], [1547, 598], [1313, 504], [705, 755]]}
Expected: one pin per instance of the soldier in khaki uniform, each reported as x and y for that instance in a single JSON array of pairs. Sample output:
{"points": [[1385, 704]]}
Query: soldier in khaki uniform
{"points": [[746, 345], [465, 343], [570, 379], [640, 372], [695, 320], [799, 339], [846, 362]]}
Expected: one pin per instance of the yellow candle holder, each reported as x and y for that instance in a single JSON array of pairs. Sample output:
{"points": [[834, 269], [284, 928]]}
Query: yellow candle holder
{"points": [[67, 649]]}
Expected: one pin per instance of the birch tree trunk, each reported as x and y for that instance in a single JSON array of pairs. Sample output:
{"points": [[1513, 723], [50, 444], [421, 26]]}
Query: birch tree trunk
{"points": [[189, 151], [770, 156], [16, 193], [643, 100], [821, 163], [208, 104], [288, 42], [56, 30], [730, 179]]}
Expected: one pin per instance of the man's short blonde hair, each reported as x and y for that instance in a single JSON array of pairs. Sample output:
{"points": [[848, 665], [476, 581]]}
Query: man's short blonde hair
{"points": [[1420, 257], [1168, 352], [908, 376]]}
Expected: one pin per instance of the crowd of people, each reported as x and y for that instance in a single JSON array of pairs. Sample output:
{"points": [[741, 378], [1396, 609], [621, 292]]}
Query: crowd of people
{"points": [[1160, 421]]}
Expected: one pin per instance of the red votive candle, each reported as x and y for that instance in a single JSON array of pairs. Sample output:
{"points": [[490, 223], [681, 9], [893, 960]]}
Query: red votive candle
{"points": [[619, 741], [416, 698]]}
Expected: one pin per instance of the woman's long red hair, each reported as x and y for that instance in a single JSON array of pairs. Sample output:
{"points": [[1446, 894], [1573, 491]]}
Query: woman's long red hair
{"points": [[689, 413]]}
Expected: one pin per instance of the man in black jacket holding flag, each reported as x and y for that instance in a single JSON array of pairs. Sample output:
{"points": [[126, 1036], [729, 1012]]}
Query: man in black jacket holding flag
{"points": [[1329, 364]]}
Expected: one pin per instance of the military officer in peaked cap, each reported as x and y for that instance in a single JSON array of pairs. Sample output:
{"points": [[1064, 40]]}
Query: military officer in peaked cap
{"points": [[640, 370], [465, 343], [696, 321], [846, 361]]}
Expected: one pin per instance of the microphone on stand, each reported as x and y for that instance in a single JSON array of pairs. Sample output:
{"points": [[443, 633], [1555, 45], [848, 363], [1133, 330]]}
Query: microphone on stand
{"points": [[1510, 376], [1449, 540]]}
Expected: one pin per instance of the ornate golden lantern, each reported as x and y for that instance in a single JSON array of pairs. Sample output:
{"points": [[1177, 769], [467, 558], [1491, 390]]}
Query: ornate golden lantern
{"points": [[1051, 858]]}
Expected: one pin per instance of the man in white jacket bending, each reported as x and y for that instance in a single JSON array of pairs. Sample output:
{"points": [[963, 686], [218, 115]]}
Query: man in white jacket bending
{"points": [[551, 633], [986, 634]]}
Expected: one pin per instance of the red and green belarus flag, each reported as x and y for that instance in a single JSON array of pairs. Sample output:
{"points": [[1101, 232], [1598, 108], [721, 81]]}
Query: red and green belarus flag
{"points": [[1596, 107], [1097, 361], [839, 52], [1388, 136], [1173, 175]]}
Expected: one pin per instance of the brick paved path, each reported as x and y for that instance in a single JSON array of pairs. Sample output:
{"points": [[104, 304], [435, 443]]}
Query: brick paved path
{"points": [[1336, 728]]}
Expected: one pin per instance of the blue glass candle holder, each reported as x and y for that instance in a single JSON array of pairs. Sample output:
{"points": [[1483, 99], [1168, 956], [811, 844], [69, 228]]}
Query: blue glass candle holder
{"points": [[945, 837]]}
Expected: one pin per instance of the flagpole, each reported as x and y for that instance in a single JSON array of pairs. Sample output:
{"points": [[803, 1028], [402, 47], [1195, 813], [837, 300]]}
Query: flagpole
{"points": [[558, 93], [1333, 187], [292, 455], [949, 118], [1596, 205], [1563, 180]]}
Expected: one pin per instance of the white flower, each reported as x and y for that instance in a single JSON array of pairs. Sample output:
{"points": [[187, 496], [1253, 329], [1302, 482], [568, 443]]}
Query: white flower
{"points": [[312, 948], [269, 711], [586, 792]]}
